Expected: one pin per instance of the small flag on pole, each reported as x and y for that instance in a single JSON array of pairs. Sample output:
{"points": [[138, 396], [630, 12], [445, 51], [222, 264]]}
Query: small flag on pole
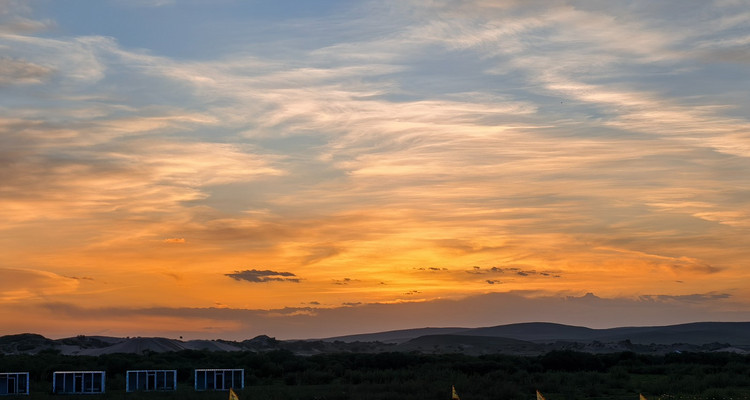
{"points": [[233, 395], [539, 396], [454, 395]]}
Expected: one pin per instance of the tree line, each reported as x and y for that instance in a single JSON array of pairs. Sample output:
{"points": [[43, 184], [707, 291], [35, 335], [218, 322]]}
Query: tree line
{"points": [[282, 375]]}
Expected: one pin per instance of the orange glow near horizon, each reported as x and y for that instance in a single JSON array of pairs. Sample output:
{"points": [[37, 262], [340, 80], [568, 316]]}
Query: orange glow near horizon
{"points": [[466, 163]]}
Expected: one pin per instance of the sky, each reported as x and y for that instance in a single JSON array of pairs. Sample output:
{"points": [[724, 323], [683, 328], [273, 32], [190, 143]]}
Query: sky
{"points": [[307, 169]]}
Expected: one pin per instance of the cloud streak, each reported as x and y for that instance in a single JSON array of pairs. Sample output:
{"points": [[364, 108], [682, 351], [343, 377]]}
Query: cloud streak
{"points": [[493, 309], [28, 284]]}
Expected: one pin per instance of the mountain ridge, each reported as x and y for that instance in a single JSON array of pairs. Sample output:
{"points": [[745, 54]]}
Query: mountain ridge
{"points": [[521, 338], [737, 333]]}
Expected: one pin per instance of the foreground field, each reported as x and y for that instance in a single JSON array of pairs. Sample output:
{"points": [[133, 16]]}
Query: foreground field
{"points": [[281, 375]]}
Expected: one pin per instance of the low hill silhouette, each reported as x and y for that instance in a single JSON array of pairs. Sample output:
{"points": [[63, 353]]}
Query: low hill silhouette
{"points": [[520, 339], [699, 333]]}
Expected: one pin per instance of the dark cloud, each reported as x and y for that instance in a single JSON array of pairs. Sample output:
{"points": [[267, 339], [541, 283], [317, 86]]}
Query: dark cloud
{"points": [[514, 270], [81, 278], [493, 282], [430, 269], [690, 298], [696, 266], [344, 281], [258, 276], [476, 270], [173, 275]]}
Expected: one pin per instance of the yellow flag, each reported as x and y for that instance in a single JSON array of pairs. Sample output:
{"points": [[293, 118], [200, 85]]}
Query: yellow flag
{"points": [[233, 395], [641, 397], [539, 396], [454, 396]]}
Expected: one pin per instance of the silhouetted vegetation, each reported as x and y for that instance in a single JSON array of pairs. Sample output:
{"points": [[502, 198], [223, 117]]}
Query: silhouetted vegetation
{"points": [[282, 375]]}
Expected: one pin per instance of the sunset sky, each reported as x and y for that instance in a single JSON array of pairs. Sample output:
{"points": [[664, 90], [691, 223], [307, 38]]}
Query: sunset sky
{"points": [[231, 168]]}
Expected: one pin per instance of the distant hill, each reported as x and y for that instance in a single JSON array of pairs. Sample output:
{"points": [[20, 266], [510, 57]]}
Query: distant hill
{"points": [[98, 345], [699, 333], [521, 339], [398, 336], [537, 332], [736, 333], [23, 343], [159, 345]]}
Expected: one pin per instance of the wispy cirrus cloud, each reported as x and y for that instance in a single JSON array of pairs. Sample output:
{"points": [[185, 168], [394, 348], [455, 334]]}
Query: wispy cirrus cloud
{"points": [[594, 143], [145, 3], [14, 71], [23, 285], [16, 19], [139, 177]]}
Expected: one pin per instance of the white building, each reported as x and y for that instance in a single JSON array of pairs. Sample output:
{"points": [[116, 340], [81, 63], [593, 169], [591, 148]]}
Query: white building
{"points": [[219, 379], [151, 380], [78, 382], [14, 383]]}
